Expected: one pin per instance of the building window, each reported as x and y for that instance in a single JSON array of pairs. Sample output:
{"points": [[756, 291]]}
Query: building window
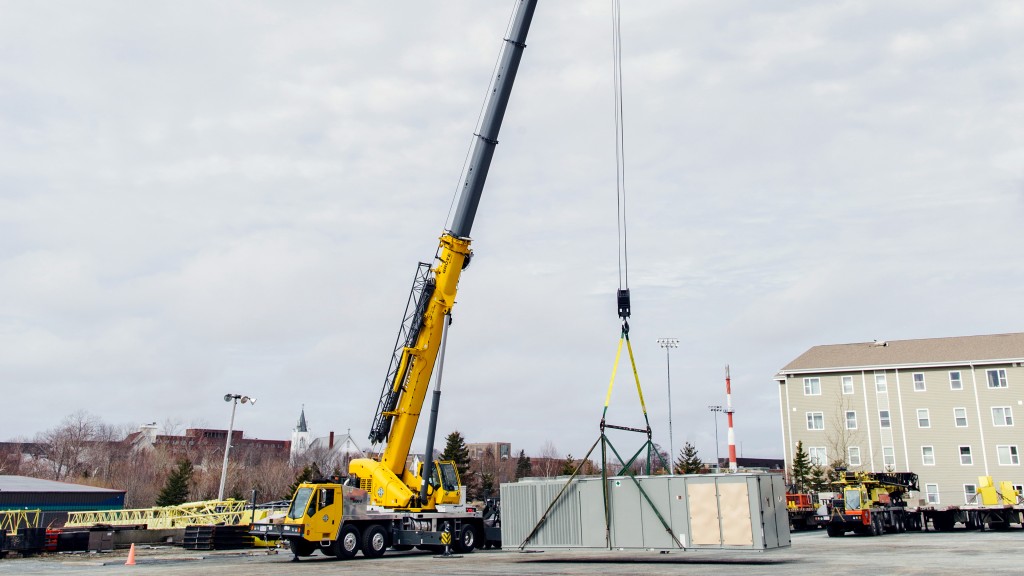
{"points": [[883, 419], [812, 386], [1008, 455], [880, 383], [815, 421], [965, 456], [1002, 416], [854, 455], [888, 457], [922, 418], [928, 455], [918, 382], [996, 378], [817, 455], [955, 382], [960, 417], [970, 494], [1019, 489], [847, 384], [931, 492], [851, 420]]}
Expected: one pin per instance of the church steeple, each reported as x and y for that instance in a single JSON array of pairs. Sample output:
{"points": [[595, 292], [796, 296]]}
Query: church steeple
{"points": [[300, 436]]}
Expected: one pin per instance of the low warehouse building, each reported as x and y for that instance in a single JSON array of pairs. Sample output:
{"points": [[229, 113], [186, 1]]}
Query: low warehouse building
{"points": [[55, 499]]}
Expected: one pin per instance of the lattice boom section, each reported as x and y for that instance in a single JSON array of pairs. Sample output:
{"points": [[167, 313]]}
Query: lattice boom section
{"points": [[227, 512], [12, 520]]}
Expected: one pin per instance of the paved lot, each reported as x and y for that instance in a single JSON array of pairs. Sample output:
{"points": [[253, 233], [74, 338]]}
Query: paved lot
{"points": [[812, 554]]}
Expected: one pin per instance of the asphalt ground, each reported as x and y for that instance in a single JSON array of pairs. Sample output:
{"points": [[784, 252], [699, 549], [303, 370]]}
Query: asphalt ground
{"points": [[812, 554]]}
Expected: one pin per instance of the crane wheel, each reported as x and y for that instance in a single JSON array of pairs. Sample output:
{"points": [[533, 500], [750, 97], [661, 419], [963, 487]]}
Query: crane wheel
{"points": [[375, 541], [347, 543], [834, 531], [467, 539]]}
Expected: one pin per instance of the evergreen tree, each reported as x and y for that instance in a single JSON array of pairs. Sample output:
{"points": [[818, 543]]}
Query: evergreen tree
{"points": [[175, 490], [817, 479], [688, 461], [455, 449], [305, 476], [800, 472], [486, 485], [569, 466], [523, 466]]}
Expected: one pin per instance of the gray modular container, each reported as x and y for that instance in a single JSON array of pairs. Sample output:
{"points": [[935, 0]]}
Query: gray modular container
{"points": [[702, 511]]}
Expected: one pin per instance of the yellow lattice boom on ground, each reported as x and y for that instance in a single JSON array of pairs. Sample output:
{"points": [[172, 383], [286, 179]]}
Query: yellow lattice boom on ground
{"points": [[12, 520], [205, 513]]}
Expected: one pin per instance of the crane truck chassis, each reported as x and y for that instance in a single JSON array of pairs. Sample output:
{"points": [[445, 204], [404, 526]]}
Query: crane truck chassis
{"points": [[339, 520]]}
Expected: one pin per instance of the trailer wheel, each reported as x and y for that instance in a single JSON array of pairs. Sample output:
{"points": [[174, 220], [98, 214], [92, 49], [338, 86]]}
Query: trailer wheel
{"points": [[375, 541], [347, 543], [467, 539]]}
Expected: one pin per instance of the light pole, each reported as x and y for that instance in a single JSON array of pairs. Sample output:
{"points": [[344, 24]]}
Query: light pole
{"points": [[668, 343], [233, 398], [715, 410]]}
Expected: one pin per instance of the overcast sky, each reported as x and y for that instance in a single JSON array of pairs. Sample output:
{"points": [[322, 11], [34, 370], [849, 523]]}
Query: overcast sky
{"points": [[201, 198]]}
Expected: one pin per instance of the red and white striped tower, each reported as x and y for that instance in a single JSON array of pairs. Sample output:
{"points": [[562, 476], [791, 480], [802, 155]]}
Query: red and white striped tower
{"points": [[729, 411]]}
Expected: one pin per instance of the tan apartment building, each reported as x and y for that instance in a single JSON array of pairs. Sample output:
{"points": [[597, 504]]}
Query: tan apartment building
{"points": [[943, 408]]}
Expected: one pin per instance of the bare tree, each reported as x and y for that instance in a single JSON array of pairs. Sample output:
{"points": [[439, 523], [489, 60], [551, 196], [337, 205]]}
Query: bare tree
{"points": [[549, 463], [64, 445], [171, 426], [839, 437]]}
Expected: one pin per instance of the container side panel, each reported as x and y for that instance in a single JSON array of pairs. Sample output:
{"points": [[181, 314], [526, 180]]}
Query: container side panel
{"points": [[626, 517], [655, 534], [764, 507], [680, 511], [734, 503], [518, 513], [592, 525], [524, 504], [781, 512], [703, 503]]}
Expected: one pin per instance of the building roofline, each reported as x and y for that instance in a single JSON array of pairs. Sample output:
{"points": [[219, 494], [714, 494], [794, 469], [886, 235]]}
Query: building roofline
{"points": [[952, 364]]}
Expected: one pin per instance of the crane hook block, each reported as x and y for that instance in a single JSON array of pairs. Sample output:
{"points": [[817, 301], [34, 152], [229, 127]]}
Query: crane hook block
{"points": [[623, 303]]}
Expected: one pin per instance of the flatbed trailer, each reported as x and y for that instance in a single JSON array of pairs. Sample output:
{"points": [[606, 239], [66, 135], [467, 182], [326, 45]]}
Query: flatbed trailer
{"points": [[972, 516]]}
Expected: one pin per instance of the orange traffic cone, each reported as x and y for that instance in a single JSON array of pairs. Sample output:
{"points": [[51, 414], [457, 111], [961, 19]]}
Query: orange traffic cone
{"points": [[131, 556]]}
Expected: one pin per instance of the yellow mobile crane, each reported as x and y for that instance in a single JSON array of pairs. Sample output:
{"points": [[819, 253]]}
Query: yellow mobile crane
{"points": [[872, 503], [384, 503]]}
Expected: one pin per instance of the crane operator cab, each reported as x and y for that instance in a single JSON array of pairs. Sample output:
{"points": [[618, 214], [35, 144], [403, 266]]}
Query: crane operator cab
{"points": [[445, 486]]}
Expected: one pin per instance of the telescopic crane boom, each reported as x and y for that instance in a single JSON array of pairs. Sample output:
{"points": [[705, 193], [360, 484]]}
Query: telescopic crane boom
{"points": [[388, 481]]}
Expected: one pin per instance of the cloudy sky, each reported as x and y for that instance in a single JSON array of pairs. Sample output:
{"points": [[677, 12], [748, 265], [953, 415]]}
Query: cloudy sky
{"points": [[201, 198]]}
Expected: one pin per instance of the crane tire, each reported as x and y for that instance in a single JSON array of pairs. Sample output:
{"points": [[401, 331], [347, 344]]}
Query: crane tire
{"points": [[375, 541]]}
